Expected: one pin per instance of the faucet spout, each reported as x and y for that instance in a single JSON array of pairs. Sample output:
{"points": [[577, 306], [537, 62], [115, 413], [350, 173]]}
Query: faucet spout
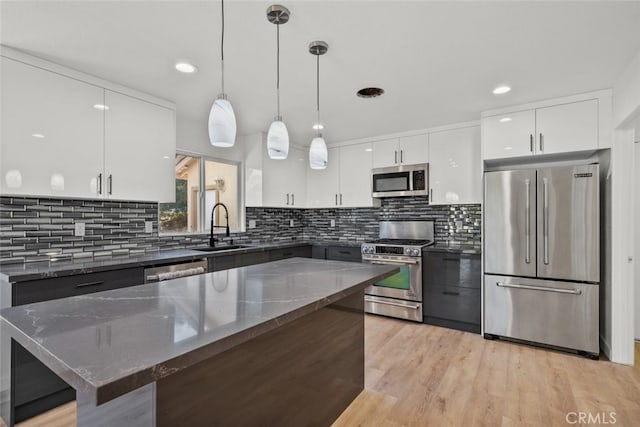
{"points": [[212, 240]]}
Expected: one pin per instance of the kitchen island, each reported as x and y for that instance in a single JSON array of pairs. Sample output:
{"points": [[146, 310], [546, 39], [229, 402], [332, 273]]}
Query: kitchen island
{"points": [[280, 343]]}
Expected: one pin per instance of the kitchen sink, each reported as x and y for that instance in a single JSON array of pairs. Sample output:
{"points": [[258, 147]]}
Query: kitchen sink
{"points": [[220, 248]]}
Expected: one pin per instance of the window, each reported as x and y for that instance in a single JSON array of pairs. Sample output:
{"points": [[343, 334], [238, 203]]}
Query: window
{"points": [[191, 212]]}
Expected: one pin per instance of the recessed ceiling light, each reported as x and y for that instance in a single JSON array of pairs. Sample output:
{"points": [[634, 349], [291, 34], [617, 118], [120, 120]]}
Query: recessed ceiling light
{"points": [[101, 107], [318, 126], [165, 157], [185, 67], [368, 149], [501, 90], [38, 135], [370, 92], [508, 148], [505, 119]]}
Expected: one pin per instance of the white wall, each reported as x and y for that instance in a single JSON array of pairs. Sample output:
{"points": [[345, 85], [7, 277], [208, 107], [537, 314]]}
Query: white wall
{"points": [[637, 236], [626, 94], [193, 137]]}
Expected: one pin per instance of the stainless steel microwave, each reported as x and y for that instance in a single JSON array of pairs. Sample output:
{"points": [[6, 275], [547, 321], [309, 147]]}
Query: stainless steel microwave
{"points": [[403, 180]]}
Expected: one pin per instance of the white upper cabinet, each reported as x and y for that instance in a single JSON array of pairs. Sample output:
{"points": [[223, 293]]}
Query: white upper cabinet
{"points": [[414, 149], [355, 175], [139, 149], [323, 185], [284, 180], [274, 183], [568, 127], [385, 153], [455, 169], [63, 136], [52, 136], [561, 128], [509, 135], [406, 150]]}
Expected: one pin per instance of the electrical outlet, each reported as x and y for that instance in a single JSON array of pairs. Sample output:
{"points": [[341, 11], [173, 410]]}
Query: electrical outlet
{"points": [[459, 225], [79, 229], [333, 223], [252, 223], [290, 223], [148, 226]]}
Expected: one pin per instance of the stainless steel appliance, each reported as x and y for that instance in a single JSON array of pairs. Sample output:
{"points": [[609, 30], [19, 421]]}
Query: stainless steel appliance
{"points": [[542, 256], [404, 180], [400, 244], [175, 271]]}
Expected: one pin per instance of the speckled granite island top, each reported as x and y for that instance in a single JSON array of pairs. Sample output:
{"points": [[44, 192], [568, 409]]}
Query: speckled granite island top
{"points": [[110, 343]]}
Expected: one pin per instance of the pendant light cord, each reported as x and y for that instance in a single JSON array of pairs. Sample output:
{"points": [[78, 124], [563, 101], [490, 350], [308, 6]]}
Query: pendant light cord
{"points": [[278, 65], [318, 90], [222, 48]]}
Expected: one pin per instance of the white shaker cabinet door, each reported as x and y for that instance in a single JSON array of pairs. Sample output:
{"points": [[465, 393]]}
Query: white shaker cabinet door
{"points": [[322, 184], [509, 135], [140, 145], [455, 172], [355, 175], [52, 136], [567, 127], [386, 153], [414, 149]]}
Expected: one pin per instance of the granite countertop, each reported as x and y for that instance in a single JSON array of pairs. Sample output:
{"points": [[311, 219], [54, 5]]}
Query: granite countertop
{"points": [[44, 270], [109, 343], [453, 246]]}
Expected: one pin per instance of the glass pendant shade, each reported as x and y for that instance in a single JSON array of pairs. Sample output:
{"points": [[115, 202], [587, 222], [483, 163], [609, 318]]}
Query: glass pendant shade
{"points": [[222, 124], [278, 140], [318, 155]]}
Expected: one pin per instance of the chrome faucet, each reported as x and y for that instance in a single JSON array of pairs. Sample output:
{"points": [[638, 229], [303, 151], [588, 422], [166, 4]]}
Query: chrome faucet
{"points": [[212, 240]]}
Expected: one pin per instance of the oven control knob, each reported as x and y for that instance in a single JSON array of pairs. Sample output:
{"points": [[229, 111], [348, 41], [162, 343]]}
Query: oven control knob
{"points": [[416, 252]]}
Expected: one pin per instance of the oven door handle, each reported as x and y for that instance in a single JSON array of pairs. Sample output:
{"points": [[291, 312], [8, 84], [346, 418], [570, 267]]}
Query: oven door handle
{"points": [[387, 262], [404, 305]]}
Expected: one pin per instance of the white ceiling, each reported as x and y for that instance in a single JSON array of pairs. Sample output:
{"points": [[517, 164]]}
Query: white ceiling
{"points": [[437, 61]]}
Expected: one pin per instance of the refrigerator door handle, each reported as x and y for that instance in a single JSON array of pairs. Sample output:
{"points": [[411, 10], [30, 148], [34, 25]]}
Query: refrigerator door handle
{"points": [[527, 222], [539, 288], [545, 220]]}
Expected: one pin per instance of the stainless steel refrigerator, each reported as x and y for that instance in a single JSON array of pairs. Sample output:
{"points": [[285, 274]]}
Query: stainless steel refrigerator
{"points": [[542, 256]]}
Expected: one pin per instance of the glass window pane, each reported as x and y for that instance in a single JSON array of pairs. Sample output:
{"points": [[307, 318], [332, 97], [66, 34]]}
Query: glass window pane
{"points": [[221, 185], [182, 216]]}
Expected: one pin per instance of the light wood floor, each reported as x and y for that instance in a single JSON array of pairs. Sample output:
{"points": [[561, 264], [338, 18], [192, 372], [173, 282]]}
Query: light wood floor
{"points": [[420, 375]]}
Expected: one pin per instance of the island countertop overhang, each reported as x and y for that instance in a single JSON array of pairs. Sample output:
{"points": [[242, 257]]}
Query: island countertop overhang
{"points": [[113, 342]]}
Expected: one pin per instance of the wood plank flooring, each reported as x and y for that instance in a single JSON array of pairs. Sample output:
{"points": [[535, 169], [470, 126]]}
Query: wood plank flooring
{"points": [[421, 375]]}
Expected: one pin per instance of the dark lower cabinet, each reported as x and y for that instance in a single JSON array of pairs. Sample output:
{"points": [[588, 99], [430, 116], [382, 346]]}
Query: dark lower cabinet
{"points": [[35, 387], [344, 253], [451, 290], [225, 262]]}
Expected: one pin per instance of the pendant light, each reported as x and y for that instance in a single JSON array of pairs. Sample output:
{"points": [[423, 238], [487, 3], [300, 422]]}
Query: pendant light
{"points": [[278, 137], [222, 120], [318, 155]]}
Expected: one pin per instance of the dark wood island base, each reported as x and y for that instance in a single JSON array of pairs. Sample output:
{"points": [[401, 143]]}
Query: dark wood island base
{"points": [[304, 373]]}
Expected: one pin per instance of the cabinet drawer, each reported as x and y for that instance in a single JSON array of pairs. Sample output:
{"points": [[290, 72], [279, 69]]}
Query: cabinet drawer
{"points": [[447, 269], [299, 251], [344, 253], [227, 262], [62, 287], [452, 303]]}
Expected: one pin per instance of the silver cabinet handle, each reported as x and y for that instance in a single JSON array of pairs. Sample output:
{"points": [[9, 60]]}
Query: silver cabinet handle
{"points": [[527, 222], [336, 199], [541, 143], [340, 199], [540, 288], [396, 157], [390, 262], [293, 199], [401, 152], [287, 199], [99, 183], [531, 142], [110, 184], [545, 220], [430, 195], [412, 306]]}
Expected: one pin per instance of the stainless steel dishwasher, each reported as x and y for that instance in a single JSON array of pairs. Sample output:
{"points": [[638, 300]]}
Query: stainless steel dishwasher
{"points": [[175, 270]]}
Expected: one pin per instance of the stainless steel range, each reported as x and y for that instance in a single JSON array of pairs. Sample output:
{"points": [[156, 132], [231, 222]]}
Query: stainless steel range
{"points": [[400, 244]]}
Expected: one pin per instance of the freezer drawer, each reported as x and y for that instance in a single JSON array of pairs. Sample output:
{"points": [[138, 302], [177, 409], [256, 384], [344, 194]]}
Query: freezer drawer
{"points": [[562, 314]]}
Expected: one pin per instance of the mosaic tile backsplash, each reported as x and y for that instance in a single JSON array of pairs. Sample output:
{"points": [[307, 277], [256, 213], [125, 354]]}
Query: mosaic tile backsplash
{"points": [[35, 229]]}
